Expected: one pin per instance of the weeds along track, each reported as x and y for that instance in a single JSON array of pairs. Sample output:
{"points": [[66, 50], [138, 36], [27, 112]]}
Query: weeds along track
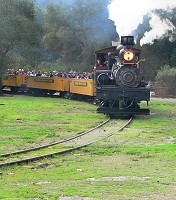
{"points": [[79, 141]]}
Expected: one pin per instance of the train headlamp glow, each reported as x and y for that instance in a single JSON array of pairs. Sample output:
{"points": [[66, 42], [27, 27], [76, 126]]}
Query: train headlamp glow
{"points": [[128, 55]]}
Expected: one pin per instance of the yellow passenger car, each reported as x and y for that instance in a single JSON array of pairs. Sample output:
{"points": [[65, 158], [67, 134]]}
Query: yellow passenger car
{"points": [[47, 84], [14, 82], [84, 87]]}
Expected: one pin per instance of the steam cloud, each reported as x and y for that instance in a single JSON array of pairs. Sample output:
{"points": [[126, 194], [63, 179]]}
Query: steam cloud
{"points": [[127, 15], [160, 28]]}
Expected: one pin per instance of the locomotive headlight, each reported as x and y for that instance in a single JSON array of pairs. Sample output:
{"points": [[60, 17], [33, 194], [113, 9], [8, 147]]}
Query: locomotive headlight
{"points": [[128, 55]]}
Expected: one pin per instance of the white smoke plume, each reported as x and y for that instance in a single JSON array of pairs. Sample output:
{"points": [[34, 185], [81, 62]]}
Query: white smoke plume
{"points": [[160, 29], [127, 15]]}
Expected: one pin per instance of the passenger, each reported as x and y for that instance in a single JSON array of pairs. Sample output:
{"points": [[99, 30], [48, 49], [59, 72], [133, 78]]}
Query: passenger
{"points": [[39, 73], [89, 75], [64, 75], [59, 74], [101, 64], [24, 72], [117, 63], [117, 60], [78, 75], [112, 61], [33, 73], [44, 74], [28, 73], [51, 74], [69, 75]]}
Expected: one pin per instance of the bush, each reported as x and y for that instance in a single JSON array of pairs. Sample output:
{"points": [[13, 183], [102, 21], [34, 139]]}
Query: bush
{"points": [[168, 76]]}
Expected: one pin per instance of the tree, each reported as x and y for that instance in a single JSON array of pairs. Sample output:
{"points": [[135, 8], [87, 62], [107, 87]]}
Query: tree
{"points": [[157, 55], [168, 76], [20, 33], [75, 29]]}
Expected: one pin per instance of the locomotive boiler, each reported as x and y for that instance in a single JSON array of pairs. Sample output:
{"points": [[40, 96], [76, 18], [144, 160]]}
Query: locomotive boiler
{"points": [[121, 87]]}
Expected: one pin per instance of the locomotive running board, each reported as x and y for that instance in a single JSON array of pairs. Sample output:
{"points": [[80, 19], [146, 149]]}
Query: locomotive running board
{"points": [[121, 112]]}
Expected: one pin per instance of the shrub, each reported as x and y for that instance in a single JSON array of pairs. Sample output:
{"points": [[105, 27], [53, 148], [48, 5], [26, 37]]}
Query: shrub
{"points": [[168, 76]]}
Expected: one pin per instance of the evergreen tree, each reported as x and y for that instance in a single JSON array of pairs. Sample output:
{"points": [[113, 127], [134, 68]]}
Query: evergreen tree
{"points": [[75, 29]]}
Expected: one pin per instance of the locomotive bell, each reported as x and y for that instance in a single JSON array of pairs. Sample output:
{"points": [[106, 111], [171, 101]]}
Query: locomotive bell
{"points": [[118, 51], [121, 53]]}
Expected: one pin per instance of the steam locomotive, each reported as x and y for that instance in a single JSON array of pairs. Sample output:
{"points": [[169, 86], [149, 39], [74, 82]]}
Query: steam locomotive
{"points": [[118, 87], [121, 87]]}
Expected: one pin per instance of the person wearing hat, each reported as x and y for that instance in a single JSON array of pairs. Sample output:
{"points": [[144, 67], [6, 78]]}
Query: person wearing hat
{"points": [[117, 62], [111, 60], [116, 66]]}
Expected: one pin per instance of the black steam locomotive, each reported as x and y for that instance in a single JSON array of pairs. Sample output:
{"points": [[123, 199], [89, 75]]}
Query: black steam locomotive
{"points": [[120, 85]]}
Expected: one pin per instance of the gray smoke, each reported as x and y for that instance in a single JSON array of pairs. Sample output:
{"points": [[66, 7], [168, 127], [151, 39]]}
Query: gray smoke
{"points": [[160, 28], [127, 15]]}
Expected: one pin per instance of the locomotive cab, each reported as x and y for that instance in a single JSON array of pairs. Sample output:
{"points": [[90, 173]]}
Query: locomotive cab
{"points": [[104, 60]]}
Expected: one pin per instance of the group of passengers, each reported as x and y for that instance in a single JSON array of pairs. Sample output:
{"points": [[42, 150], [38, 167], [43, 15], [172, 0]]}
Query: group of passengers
{"points": [[71, 74]]}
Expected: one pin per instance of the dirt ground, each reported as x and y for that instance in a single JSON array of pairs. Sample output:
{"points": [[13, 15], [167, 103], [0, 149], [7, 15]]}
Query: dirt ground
{"points": [[164, 99]]}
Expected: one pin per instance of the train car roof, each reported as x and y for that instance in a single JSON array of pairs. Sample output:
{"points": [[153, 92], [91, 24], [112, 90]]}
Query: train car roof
{"points": [[112, 49], [106, 50]]}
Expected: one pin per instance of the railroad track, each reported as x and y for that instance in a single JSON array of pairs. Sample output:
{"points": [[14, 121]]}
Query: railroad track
{"points": [[75, 140]]}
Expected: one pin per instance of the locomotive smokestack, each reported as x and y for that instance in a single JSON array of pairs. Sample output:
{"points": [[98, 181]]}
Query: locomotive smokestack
{"points": [[127, 40]]}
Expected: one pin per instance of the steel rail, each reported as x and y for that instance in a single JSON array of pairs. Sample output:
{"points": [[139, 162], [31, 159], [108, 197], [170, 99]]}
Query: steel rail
{"points": [[54, 143], [26, 160]]}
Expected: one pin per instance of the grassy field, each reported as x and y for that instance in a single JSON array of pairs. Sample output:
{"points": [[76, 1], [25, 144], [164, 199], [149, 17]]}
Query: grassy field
{"points": [[138, 163]]}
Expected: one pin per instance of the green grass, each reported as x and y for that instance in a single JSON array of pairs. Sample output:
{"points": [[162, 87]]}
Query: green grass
{"points": [[138, 163], [35, 120]]}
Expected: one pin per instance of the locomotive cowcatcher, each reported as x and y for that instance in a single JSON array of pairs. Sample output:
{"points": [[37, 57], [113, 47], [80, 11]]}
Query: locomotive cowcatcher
{"points": [[120, 85]]}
